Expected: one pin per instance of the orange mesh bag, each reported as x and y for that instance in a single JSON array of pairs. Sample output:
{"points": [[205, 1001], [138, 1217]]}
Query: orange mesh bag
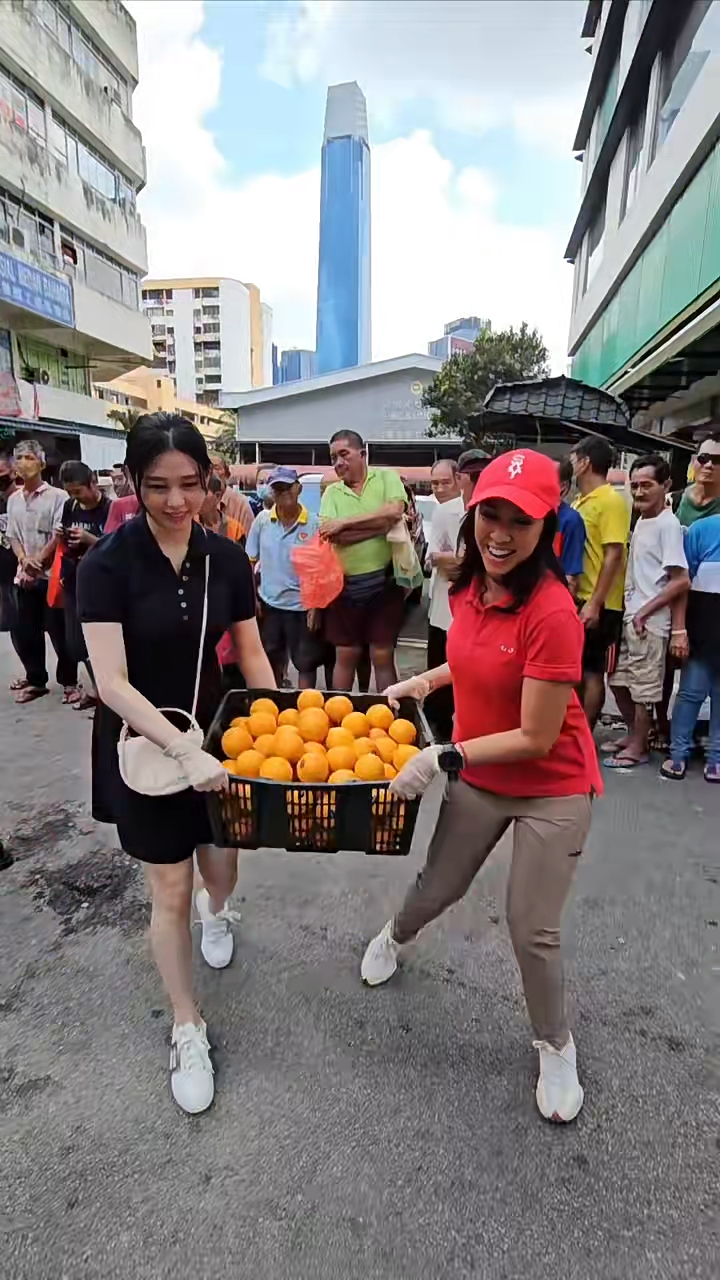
{"points": [[320, 573]]}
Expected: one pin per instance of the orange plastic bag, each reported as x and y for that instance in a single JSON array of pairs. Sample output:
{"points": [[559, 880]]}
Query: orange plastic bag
{"points": [[320, 572], [55, 588]]}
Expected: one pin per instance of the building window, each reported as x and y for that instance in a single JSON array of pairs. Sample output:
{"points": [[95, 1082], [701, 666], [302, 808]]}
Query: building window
{"points": [[634, 163], [595, 247], [20, 107], [99, 271], [87, 56], [210, 312], [607, 107], [25, 229], [212, 292], [698, 40], [5, 352]]}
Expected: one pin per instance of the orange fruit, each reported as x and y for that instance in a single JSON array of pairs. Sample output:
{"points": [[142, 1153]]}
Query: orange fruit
{"points": [[377, 733], [288, 744], [402, 731], [248, 764], [276, 769], [313, 768], [235, 741], [380, 716], [265, 744], [365, 746], [338, 737], [310, 698], [229, 765], [317, 747], [403, 754], [390, 772], [290, 716], [341, 758], [357, 724], [239, 722], [370, 768], [261, 722], [338, 707], [385, 748], [313, 725], [264, 707], [342, 775]]}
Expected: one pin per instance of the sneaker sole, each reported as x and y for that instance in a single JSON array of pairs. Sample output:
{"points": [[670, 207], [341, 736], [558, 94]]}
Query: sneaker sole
{"points": [[217, 967]]}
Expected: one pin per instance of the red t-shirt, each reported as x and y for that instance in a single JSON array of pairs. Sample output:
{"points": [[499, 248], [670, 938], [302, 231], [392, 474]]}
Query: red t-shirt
{"points": [[490, 652], [121, 509]]}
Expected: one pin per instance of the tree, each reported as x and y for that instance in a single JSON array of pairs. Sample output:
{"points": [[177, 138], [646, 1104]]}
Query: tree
{"points": [[457, 392], [226, 442], [126, 418]]}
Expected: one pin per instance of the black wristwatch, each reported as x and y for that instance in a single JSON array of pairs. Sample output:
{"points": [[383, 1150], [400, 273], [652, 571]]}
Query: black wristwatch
{"points": [[451, 759]]}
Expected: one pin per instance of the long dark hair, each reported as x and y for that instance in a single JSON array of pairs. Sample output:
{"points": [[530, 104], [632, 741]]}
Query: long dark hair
{"points": [[521, 581], [156, 433]]}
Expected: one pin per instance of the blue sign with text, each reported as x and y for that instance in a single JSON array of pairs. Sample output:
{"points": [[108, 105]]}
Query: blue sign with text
{"points": [[36, 290]]}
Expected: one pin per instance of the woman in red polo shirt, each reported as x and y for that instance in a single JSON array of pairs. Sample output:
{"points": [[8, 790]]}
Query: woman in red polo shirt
{"points": [[522, 757]]}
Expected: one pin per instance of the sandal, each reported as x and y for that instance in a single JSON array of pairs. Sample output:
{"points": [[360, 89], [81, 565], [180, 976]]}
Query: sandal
{"points": [[16, 685], [623, 761], [71, 694], [674, 770], [30, 693], [86, 702], [711, 773]]}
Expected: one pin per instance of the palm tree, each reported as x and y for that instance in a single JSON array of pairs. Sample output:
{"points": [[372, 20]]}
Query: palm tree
{"points": [[125, 417]]}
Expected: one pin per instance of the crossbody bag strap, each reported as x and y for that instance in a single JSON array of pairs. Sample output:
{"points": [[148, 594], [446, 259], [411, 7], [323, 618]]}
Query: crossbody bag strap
{"points": [[203, 630]]}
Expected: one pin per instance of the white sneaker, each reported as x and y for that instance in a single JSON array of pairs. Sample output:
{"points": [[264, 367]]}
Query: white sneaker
{"points": [[217, 940], [191, 1072], [559, 1093], [380, 960]]}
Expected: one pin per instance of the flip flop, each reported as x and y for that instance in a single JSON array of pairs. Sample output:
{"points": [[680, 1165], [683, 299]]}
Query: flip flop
{"points": [[86, 702], [29, 694], [711, 773], [673, 770], [621, 761], [16, 685], [71, 695]]}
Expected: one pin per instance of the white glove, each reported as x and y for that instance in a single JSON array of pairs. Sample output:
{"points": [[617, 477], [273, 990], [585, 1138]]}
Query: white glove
{"points": [[202, 770], [415, 687], [415, 777]]}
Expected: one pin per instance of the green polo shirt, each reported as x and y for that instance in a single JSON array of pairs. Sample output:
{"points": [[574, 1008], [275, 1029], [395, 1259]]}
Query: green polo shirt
{"points": [[339, 503]]}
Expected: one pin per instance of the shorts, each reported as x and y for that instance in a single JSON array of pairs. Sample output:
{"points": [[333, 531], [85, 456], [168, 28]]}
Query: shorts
{"points": [[641, 665], [285, 631], [602, 642], [375, 622]]}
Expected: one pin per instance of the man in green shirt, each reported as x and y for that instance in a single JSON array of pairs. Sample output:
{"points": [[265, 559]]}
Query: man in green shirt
{"points": [[702, 498], [356, 514]]}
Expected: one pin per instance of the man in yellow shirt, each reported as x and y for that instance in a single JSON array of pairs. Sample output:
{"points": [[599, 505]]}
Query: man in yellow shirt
{"points": [[606, 516]]}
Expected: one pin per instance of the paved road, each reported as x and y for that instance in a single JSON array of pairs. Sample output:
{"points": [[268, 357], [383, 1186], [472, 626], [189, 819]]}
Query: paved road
{"points": [[385, 1134]]}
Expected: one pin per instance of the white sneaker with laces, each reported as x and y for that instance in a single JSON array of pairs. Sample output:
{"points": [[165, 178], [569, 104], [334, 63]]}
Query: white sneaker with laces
{"points": [[380, 960], [191, 1072], [559, 1093], [217, 943]]}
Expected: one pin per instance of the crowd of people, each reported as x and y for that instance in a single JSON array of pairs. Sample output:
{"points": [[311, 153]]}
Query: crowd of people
{"points": [[177, 590]]}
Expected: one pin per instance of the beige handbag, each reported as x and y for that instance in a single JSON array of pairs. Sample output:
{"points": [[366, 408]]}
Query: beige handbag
{"points": [[144, 767]]}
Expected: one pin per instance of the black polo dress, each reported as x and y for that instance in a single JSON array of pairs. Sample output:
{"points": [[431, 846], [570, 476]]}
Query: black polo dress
{"points": [[126, 578]]}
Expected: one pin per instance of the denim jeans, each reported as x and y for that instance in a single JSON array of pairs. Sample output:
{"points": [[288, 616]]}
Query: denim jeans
{"points": [[698, 680]]}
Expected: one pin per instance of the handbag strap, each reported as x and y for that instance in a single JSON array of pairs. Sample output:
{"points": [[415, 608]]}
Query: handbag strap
{"points": [[203, 630]]}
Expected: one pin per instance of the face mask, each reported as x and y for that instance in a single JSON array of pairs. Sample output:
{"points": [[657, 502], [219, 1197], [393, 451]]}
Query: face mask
{"points": [[264, 492]]}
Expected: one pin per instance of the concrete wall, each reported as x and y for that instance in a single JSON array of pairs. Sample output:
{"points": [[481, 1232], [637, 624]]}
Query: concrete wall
{"points": [[32, 172], [235, 337], [111, 27], [184, 348], [38, 60], [109, 322], [387, 407]]}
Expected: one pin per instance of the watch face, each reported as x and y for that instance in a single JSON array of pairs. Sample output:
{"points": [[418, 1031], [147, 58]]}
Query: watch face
{"points": [[450, 760]]}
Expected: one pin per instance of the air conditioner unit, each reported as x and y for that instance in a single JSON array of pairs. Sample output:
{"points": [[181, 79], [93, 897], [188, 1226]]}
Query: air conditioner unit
{"points": [[17, 237]]}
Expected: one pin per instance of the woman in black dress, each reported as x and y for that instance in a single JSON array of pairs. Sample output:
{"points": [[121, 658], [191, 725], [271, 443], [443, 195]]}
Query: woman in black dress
{"points": [[141, 598]]}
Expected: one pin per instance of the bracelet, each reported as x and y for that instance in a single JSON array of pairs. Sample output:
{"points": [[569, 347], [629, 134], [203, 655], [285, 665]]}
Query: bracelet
{"points": [[678, 633]]}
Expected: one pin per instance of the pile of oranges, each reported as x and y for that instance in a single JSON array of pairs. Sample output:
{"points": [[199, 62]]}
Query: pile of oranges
{"points": [[318, 741]]}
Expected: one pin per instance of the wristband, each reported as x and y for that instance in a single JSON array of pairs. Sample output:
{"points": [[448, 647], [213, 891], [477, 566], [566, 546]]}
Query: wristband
{"points": [[679, 633]]}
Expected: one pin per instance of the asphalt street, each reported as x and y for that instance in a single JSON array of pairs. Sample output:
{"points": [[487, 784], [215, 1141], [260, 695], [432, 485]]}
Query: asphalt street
{"points": [[357, 1134]]}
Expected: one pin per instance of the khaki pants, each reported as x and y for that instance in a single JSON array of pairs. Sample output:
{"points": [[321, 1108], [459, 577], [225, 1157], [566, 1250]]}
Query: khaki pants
{"points": [[548, 835]]}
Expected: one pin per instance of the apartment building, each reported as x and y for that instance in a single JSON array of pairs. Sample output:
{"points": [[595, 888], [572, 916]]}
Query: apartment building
{"points": [[209, 335], [146, 390], [646, 241], [72, 246]]}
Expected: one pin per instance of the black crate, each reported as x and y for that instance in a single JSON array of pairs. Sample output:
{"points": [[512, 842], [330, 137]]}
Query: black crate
{"points": [[255, 813]]}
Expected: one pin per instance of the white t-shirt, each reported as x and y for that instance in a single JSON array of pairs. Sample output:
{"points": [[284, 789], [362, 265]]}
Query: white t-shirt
{"points": [[444, 532], [655, 547]]}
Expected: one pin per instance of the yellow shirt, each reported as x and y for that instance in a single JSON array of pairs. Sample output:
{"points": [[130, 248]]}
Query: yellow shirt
{"points": [[607, 520]]}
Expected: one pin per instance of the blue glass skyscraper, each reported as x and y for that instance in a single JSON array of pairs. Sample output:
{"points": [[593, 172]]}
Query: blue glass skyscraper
{"points": [[343, 301]]}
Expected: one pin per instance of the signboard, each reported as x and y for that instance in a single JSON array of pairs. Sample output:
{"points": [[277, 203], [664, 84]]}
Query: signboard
{"points": [[35, 290]]}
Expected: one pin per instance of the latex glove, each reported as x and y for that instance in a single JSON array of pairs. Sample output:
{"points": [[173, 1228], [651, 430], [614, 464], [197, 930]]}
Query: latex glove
{"points": [[415, 777], [415, 687], [202, 770]]}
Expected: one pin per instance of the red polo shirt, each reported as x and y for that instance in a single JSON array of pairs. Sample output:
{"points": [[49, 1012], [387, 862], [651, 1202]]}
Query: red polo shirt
{"points": [[121, 510], [490, 652]]}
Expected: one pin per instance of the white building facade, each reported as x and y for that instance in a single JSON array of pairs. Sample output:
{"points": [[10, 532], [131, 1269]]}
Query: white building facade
{"points": [[210, 335], [72, 246], [646, 242]]}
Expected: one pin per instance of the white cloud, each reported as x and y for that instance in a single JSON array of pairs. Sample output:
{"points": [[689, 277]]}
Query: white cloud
{"points": [[439, 249]]}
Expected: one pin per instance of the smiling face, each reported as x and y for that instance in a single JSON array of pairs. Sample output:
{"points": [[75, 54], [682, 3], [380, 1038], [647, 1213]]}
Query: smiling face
{"points": [[172, 491], [505, 536]]}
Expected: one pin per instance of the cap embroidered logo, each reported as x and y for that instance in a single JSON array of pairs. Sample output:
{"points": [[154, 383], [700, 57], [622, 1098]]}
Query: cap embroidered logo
{"points": [[516, 465]]}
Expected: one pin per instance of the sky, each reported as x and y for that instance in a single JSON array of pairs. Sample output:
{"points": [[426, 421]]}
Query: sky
{"points": [[472, 105]]}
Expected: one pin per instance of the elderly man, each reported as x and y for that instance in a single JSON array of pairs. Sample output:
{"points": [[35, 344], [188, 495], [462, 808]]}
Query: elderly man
{"points": [[443, 560], [8, 560], [469, 465], [356, 514], [233, 505], [34, 513]]}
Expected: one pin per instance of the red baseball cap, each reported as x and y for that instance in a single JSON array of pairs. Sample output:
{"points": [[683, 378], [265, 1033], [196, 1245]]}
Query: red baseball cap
{"points": [[524, 477]]}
